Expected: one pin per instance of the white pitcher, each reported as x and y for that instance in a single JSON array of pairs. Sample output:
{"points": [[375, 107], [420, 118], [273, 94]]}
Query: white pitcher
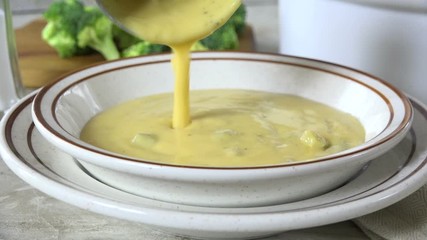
{"points": [[11, 88]]}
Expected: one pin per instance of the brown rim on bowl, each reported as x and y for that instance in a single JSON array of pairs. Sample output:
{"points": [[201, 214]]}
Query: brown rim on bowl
{"points": [[78, 143]]}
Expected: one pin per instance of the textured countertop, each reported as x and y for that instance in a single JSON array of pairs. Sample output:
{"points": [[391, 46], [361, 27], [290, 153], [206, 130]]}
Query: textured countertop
{"points": [[26, 213]]}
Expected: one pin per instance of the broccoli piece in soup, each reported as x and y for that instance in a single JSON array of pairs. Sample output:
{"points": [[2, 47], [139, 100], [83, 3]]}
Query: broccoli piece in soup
{"points": [[144, 140], [314, 140]]}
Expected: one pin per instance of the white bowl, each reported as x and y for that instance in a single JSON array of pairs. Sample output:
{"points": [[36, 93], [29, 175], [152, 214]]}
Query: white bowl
{"points": [[61, 109]]}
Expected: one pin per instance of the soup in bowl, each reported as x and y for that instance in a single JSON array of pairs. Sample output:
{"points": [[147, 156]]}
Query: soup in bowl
{"points": [[379, 113]]}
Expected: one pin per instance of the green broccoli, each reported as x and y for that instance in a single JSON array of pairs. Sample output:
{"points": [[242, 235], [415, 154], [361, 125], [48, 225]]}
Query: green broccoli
{"points": [[73, 29], [62, 27], [95, 31], [225, 38], [142, 48], [62, 41], [238, 19], [198, 46], [123, 39], [131, 46], [66, 12]]}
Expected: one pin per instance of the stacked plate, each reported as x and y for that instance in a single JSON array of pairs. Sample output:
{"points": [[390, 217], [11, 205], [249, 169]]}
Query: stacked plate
{"points": [[381, 181]]}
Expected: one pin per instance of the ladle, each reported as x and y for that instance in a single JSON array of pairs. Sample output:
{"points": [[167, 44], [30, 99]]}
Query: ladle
{"points": [[171, 25]]}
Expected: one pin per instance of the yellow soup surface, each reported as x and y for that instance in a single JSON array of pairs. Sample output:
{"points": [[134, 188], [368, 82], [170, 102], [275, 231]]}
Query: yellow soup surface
{"points": [[229, 128]]}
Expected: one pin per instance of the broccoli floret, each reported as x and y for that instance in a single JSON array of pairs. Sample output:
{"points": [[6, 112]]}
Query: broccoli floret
{"points": [[66, 13], [314, 140], [225, 38], [198, 46], [95, 31], [62, 26], [73, 29], [123, 39], [63, 42], [238, 19], [142, 48]]}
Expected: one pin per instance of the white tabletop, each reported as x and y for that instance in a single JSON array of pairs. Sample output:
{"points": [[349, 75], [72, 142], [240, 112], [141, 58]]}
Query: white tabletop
{"points": [[26, 213]]}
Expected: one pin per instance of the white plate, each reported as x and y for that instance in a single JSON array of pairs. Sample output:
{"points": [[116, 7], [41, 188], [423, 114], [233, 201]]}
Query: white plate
{"points": [[385, 181]]}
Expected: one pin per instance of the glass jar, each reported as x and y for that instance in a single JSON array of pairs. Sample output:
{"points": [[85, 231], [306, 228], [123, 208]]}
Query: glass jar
{"points": [[11, 88]]}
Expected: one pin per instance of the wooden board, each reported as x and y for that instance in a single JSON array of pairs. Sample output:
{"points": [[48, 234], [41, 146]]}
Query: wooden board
{"points": [[40, 64]]}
